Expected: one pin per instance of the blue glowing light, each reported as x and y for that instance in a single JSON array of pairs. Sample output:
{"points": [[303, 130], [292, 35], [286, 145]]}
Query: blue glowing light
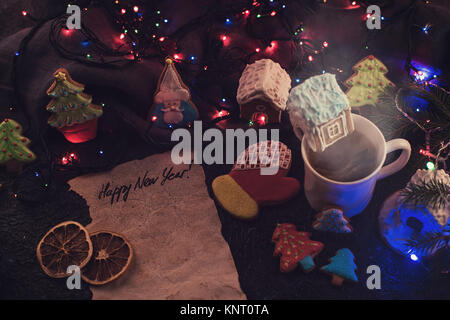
{"points": [[424, 73], [165, 20], [100, 152], [297, 80], [192, 58], [413, 257], [426, 28], [36, 174], [224, 100], [228, 21], [85, 43], [17, 53]]}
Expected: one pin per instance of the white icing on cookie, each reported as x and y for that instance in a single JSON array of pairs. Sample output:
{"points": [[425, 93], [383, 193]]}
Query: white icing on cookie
{"points": [[170, 87], [266, 80], [316, 102]]}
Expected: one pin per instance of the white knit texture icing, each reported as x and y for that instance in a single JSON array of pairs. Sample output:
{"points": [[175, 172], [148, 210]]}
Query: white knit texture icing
{"points": [[316, 101], [266, 80]]}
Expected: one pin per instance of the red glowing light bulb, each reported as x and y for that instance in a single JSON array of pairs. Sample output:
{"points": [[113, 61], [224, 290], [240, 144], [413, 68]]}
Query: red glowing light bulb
{"points": [[325, 44], [257, 49], [162, 39], [177, 56], [64, 160], [354, 3], [135, 8], [122, 36], [154, 118], [273, 13], [310, 58], [24, 13], [123, 11], [67, 32], [224, 38]]}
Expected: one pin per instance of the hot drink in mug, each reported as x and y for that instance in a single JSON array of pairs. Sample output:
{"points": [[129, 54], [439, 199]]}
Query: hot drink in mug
{"points": [[346, 172]]}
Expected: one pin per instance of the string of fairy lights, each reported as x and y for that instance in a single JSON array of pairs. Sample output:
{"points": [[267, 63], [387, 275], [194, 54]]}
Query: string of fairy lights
{"points": [[142, 34]]}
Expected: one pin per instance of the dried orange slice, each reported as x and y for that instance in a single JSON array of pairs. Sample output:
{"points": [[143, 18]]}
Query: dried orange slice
{"points": [[66, 244], [111, 258]]}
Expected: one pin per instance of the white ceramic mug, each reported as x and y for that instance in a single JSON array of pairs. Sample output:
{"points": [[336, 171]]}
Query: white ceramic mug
{"points": [[354, 196]]}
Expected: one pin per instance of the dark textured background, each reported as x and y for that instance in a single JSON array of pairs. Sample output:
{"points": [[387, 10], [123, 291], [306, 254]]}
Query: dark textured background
{"points": [[25, 219]]}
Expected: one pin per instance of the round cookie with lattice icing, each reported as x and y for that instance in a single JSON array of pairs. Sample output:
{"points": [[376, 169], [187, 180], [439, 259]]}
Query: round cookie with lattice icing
{"points": [[257, 179]]}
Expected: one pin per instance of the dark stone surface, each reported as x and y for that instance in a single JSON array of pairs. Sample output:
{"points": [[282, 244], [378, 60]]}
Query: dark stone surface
{"points": [[25, 219]]}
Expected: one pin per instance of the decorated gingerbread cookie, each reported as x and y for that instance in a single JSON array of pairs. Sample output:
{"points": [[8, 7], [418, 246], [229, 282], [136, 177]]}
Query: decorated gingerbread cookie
{"points": [[319, 109], [295, 248], [332, 220], [341, 267], [14, 147], [172, 106], [263, 91], [73, 112], [248, 187], [368, 82]]}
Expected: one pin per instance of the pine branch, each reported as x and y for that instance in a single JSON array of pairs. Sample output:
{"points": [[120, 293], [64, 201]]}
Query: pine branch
{"points": [[433, 194], [438, 98], [428, 242]]}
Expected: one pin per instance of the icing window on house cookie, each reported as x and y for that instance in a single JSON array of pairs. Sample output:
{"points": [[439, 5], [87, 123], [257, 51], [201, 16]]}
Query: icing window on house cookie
{"points": [[334, 130], [320, 110]]}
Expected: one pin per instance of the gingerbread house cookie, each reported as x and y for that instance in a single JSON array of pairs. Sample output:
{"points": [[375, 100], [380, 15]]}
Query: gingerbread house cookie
{"points": [[321, 110], [263, 91]]}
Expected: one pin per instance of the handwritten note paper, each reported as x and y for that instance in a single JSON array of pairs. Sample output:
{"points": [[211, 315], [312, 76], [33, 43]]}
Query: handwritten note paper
{"points": [[164, 210]]}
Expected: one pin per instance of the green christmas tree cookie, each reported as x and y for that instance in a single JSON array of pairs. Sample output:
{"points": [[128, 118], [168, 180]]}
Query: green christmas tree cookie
{"points": [[367, 83], [13, 146], [70, 105]]}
